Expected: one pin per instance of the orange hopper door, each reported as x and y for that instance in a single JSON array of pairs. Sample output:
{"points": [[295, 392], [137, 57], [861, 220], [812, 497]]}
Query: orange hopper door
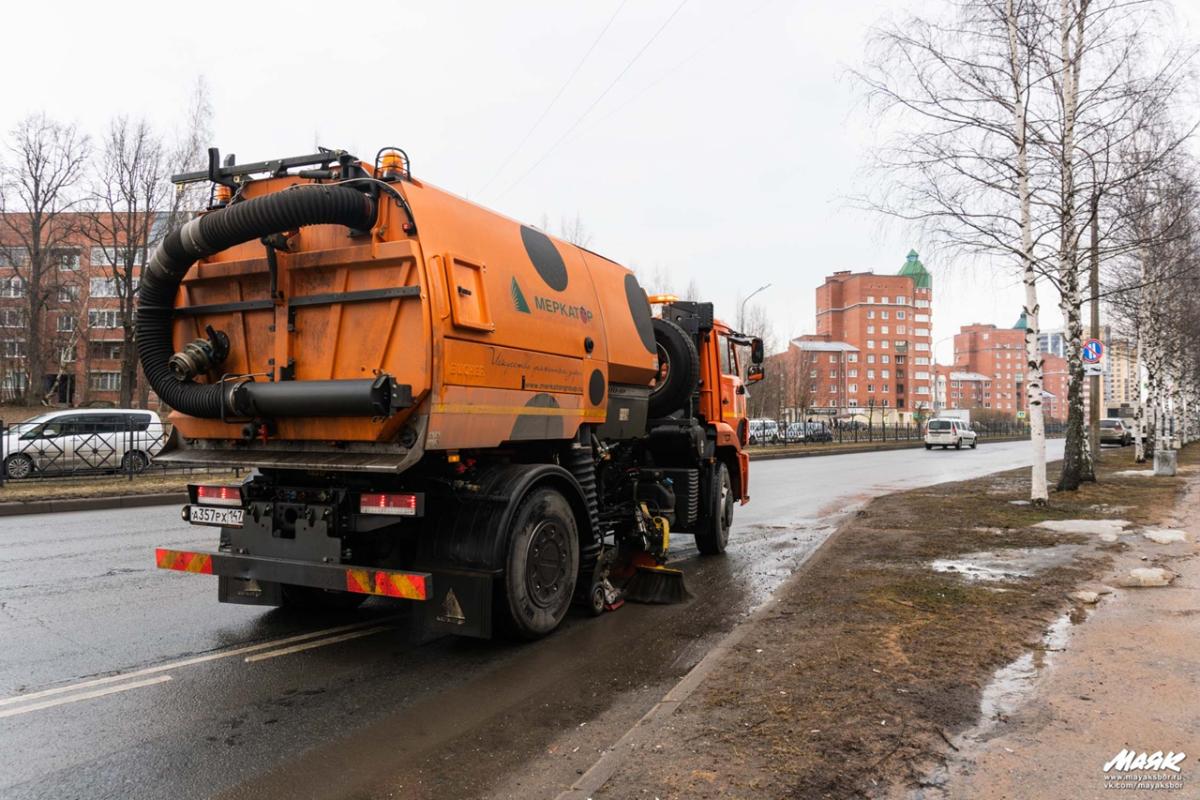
{"points": [[347, 307]]}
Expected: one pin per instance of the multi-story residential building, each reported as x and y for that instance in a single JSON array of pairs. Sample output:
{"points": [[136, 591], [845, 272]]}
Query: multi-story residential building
{"points": [[876, 329], [81, 327], [1053, 342], [998, 354], [959, 389], [1120, 374], [1056, 381]]}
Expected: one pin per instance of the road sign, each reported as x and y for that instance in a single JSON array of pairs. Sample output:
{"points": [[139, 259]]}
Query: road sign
{"points": [[1020, 415], [1093, 351], [1091, 370]]}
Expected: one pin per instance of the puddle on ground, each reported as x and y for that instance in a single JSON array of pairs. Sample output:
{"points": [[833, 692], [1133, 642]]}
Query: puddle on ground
{"points": [[1007, 564], [1008, 689], [1010, 685]]}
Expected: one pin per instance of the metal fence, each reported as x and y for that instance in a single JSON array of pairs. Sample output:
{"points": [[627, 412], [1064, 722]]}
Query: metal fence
{"points": [[850, 433], [84, 443]]}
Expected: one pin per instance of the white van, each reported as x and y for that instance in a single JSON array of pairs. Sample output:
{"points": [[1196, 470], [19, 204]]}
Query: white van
{"points": [[949, 433]]}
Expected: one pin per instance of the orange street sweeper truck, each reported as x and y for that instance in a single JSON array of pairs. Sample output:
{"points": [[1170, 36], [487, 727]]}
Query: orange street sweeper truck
{"points": [[435, 402]]}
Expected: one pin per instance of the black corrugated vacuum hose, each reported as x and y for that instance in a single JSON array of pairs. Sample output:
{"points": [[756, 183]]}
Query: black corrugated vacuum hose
{"points": [[216, 231]]}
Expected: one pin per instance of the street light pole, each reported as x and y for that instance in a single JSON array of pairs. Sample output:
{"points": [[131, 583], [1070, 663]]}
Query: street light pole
{"points": [[741, 323]]}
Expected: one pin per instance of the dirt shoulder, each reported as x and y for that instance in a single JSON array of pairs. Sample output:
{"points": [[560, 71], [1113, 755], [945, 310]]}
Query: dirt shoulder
{"points": [[856, 680], [92, 486]]}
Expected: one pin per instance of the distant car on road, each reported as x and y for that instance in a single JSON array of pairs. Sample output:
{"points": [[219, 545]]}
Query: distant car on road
{"points": [[764, 431], [83, 440], [1114, 431], [949, 433]]}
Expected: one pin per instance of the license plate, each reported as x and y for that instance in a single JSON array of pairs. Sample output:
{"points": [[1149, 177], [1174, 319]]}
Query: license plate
{"points": [[224, 517]]}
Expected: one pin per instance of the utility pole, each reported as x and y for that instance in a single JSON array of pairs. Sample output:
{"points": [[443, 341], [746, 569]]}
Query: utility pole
{"points": [[1094, 287]]}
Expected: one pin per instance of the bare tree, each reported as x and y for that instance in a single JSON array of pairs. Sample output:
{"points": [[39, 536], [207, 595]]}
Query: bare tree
{"points": [[959, 91], [131, 190], [575, 232], [38, 191]]}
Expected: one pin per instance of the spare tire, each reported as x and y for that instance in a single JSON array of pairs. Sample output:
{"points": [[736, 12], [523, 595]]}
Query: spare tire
{"points": [[678, 368]]}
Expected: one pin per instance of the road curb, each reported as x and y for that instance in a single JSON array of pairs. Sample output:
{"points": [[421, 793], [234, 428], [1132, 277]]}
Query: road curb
{"points": [[644, 731], [92, 503], [844, 451]]}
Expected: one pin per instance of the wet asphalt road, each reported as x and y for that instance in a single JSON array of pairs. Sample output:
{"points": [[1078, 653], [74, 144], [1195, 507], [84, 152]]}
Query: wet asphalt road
{"points": [[118, 680]]}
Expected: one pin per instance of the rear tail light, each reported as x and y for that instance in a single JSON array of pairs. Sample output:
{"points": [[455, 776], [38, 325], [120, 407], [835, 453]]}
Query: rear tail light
{"points": [[400, 505], [216, 495]]}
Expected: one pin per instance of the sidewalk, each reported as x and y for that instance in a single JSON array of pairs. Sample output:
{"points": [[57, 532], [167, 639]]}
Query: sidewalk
{"points": [[1128, 679], [860, 677]]}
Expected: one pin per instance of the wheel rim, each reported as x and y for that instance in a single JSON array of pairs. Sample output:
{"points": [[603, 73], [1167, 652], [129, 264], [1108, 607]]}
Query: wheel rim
{"points": [[726, 503], [546, 564], [664, 368], [18, 468]]}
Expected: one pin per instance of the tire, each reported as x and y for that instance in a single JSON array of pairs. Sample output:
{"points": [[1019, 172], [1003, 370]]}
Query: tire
{"points": [[679, 368], [928, 446], [541, 567], [958, 444], [713, 537], [310, 598], [18, 466], [974, 443], [134, 461]]}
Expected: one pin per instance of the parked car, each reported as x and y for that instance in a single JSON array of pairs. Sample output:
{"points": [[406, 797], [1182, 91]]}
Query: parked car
{"points": [[817, 432], [83, 440], [764, 431], [949, 433], [1115, 431], [794, 432]]}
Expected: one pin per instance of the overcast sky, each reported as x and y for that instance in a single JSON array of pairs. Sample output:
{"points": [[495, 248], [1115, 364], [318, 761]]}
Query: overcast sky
{"points": [[722, 153]]}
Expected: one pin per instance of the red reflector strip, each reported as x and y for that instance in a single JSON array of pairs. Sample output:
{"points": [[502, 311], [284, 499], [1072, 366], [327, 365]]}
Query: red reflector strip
{"points": [[402, 505], [219, 495], [200, 563], [405, 585]]}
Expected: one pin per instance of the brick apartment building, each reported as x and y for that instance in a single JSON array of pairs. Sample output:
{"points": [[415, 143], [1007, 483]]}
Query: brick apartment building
{"points": [[872, 350], [81, 326], [956, 388], [998, 355]]}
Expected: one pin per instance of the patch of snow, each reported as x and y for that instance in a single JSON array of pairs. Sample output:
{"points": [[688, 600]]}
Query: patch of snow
{"points": [[1164, 535], [1106, 529], [1136, 473], [1147, 577], [1088, 598], [1019, 502]]}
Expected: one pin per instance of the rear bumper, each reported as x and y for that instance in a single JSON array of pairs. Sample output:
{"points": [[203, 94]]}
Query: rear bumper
{"points": [[336, 577]]}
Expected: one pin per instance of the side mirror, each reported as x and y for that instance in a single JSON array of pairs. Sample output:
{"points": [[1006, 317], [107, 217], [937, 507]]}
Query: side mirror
{"points": [[755, 373], [756, 352]]}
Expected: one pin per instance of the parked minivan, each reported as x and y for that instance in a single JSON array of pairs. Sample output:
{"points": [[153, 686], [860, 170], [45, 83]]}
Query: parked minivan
{"points": [[949, 433], [83, 440]]}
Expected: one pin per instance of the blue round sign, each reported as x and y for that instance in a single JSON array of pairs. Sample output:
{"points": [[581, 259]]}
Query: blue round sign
{"points": [[1093, 350]]}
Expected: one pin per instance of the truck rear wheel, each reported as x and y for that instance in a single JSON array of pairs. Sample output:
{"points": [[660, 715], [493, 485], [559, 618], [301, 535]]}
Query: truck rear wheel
{"points": [[713, 537], [541, 568]]}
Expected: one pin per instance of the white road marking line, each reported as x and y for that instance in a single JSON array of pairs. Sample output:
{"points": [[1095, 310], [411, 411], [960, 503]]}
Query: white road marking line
{"points": [[75, 698], [187, 662], [310, 645]]}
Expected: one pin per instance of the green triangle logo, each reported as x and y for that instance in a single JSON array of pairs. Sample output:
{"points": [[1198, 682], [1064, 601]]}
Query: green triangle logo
{"points": [[518, 298]]}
